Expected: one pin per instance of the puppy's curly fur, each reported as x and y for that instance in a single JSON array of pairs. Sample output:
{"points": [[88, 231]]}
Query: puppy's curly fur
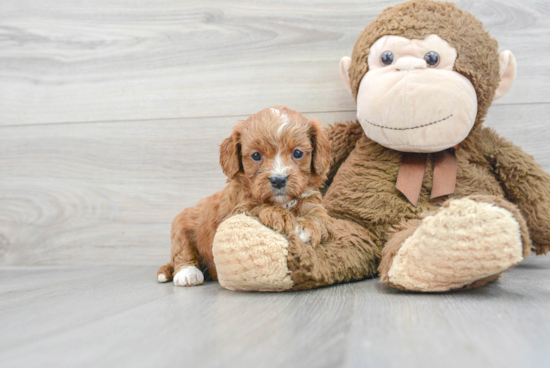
{"points": [[274, 144]]}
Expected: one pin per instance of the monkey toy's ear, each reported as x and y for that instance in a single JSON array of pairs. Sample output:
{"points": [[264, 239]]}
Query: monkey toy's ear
{"points": [[230, 155], [345, 63], [507, 65]]}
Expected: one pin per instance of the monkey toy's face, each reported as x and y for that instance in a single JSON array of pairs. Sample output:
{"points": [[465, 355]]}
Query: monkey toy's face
{"points": [[411, 99]]}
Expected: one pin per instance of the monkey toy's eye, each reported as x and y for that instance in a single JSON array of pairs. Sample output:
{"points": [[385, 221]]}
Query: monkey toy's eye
{"points": [[386, 58], [256, 156], [432, 59], [297, 154]]}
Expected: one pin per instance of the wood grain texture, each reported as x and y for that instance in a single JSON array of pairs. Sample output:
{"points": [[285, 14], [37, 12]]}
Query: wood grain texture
{"points": [[121, 317], [106, 193], [81, 61]]}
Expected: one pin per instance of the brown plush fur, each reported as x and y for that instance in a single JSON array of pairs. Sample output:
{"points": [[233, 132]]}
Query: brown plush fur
{"points": [[343, 138], [370, 172], [274, 133], [373, 217], [329, 263]]}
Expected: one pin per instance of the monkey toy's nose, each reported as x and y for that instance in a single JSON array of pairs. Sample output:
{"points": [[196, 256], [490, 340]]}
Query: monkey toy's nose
{"points": [[410, 63], [278, 182]]}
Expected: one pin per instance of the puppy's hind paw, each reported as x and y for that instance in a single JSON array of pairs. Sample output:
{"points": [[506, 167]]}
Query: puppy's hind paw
{"points": [[189, 276]]}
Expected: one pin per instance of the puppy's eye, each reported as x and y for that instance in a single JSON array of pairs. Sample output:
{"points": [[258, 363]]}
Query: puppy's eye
{"points": [[386, 58], [297, 154], [256, 156], [432, 59]]}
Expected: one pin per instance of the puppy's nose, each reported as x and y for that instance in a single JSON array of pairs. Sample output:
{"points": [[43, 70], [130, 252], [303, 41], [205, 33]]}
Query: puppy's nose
{"points": [[278, 182]]}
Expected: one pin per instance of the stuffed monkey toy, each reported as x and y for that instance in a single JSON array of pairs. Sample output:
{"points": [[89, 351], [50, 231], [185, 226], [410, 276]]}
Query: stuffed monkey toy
{"points": [[419, 191]]}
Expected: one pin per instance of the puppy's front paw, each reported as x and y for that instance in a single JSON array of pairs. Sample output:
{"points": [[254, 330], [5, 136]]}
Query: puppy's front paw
{"points": [[189, 276], [312, 232], [278, 219], [304, 235]]}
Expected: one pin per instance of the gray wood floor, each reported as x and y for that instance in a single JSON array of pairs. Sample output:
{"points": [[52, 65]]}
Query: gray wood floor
{"points": [[107, 316], [111, 112]]}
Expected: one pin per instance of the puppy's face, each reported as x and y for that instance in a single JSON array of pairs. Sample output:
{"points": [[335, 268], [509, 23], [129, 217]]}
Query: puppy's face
{"points": [[277, 154]]}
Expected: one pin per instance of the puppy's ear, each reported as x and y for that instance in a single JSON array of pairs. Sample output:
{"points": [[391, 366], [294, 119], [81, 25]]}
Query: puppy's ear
{"points": [[230, 155], [320, 161]]}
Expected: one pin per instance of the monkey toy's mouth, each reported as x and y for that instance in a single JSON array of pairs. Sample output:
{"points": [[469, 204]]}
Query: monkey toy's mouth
{"points": [[411, 136], [409, 128]]}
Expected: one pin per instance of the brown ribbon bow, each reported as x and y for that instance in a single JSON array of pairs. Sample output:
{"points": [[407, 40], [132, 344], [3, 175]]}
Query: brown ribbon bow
{"points": [[411, 174]]}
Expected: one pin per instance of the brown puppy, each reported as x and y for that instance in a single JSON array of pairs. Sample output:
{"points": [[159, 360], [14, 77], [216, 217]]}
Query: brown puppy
{"points": [[275, 162]]}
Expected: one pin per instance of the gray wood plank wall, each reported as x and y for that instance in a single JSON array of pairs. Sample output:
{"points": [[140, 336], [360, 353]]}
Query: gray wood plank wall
{"points": [[111, 111]]}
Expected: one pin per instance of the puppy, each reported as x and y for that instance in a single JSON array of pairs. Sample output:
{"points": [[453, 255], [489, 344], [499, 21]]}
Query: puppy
{"points": [[275, 162]]}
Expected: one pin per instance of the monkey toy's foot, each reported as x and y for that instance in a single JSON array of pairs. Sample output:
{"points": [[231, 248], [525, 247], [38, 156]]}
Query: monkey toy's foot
{"points": [[250, 256], [468, 242]]}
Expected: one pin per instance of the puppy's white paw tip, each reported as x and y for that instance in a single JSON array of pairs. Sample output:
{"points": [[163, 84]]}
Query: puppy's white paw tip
{"points": [[189, 276], [304, 236], [162, 277]]}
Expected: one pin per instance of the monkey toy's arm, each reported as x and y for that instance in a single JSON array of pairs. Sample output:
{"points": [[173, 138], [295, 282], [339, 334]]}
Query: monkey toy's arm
{"points": [[527, 185], [342, 137]]}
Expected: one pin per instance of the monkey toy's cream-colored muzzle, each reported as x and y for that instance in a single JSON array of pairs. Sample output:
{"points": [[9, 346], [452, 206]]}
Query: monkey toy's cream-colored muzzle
{"points": [[410, 108]]}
